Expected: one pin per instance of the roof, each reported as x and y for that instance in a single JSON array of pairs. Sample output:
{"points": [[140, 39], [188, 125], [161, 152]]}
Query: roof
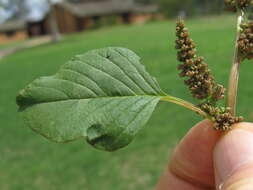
{"points": [[12, 25], [106, 7], [144, 8]]}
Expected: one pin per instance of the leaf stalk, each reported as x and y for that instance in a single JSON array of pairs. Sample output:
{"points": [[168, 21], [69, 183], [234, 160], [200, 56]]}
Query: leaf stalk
{"points": [[187, 105]]}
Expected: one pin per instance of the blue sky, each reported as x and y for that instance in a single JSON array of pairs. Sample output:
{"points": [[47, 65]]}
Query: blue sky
{"points": [[33, 10]]}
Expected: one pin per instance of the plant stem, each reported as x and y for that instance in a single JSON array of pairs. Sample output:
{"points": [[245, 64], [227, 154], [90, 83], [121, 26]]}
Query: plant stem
{"points": [[186, 104], [234, 73]]}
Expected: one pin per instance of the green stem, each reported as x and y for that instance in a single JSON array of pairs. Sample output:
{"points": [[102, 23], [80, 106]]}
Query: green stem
{"points": [[234, 73], [186, 104]]}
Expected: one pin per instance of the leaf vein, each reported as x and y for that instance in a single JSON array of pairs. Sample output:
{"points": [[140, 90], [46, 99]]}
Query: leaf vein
{"points": [[125, 74], [48, 87], [122, 132], [109, 75], [92, 80], [149, 85]]}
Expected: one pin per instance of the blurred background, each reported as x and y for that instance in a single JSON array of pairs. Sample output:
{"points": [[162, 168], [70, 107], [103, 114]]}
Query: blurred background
{"points": [[38, 36], [22, 19]]}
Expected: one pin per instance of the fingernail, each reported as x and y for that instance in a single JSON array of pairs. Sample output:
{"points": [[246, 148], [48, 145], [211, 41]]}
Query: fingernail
{"points": [[232, 152]]}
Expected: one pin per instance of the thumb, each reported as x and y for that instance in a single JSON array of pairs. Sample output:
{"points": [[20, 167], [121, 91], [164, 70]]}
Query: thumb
{"points": [[233, 159]]}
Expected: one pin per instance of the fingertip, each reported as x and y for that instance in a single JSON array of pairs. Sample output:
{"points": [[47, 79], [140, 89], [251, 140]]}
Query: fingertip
{"points": [[192, 159], [233, 151], [206, 129], [244, 125]]}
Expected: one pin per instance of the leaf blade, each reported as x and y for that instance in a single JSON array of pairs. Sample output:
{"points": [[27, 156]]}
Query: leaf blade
{"points": [[100, 95], [60, 127]]}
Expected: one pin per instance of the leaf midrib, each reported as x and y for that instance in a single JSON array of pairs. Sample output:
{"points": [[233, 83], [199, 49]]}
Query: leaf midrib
{"points": [[100, 97]]}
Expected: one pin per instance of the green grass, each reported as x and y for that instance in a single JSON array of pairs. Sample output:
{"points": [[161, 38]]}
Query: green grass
{"points": [[11, 44], [28, 161]]}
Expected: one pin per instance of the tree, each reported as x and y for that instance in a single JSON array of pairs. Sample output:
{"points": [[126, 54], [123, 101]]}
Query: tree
{"points": [[37, 10], [173, 7], [7, 9], [31, 11], [53, 23]]}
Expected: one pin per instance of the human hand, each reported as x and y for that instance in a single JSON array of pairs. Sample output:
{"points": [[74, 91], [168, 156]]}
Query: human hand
{"points": [[206, 160]]}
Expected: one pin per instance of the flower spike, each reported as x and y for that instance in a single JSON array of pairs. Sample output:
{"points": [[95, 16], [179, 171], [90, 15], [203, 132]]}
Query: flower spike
{"points": [[200, 82], [199, 79]]}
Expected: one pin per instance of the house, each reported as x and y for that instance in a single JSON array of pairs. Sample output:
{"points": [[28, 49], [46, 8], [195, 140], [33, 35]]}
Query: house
{"points": [[78, 15], [12, 30]]}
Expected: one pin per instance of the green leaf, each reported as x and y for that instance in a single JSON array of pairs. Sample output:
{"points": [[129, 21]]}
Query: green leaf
{"points": [[104, 95]]}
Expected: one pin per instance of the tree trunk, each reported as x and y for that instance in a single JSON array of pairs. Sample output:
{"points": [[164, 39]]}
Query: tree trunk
{"points": [[53, 23]]}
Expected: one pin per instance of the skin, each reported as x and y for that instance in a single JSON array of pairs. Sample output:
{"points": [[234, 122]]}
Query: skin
{"points": [[208, 160]]}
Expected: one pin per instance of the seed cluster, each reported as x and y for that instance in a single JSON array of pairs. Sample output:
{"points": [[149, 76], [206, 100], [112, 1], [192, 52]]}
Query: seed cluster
{"points": [[245, 42], [231, 5], [223, 120], [199, 79]]}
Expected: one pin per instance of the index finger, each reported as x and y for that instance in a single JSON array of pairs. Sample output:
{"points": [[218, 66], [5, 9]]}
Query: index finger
{"points": [[191, 165]]}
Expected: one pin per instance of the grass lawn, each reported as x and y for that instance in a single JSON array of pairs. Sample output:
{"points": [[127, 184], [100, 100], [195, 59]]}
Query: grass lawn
{"points": [[10, 44], [28, 161]]}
